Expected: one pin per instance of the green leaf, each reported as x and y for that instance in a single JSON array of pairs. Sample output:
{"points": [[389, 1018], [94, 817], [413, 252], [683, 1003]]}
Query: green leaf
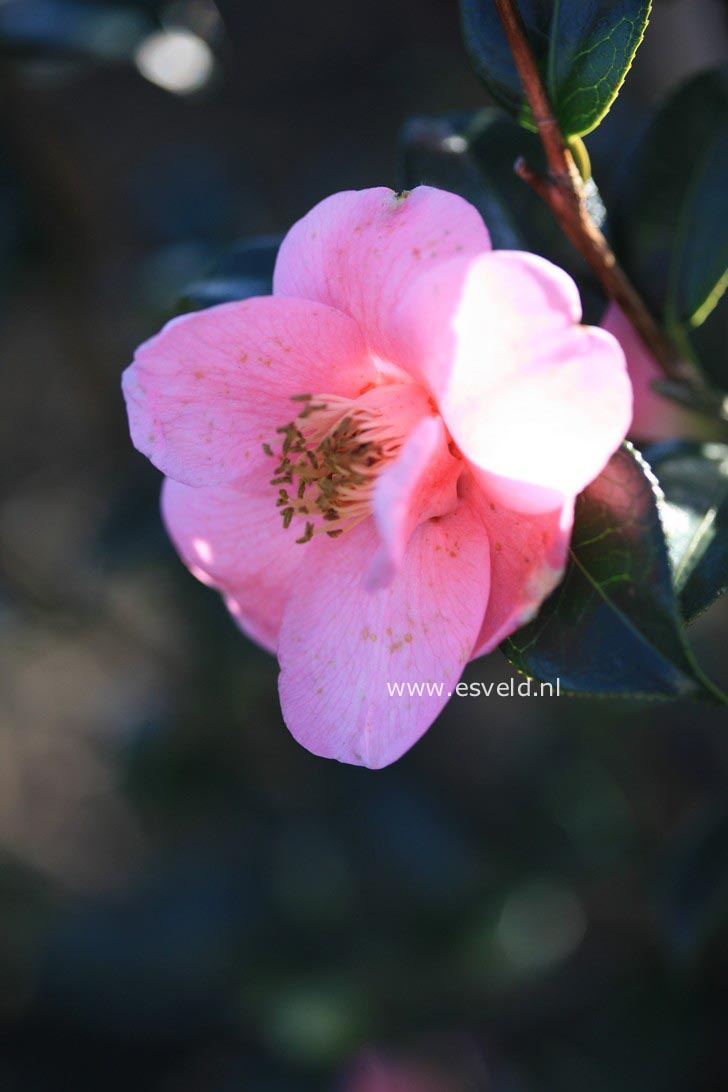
{"points": [[708, 343], [694, 479], [613, 627], [669, 224], [473, 155], [584, 49], [244, 271], [700, 264]]}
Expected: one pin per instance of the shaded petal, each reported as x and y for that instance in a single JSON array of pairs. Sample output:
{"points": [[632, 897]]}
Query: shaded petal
{"points": [[232, 538], [340, 645], [536, 401], [206, 392], [527, 558], [421, 483], [654, 417], [359, 250]]}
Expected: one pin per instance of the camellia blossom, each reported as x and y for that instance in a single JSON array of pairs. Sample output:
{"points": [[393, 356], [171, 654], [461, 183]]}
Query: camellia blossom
{"points": [[654, 417], [377, 465]]}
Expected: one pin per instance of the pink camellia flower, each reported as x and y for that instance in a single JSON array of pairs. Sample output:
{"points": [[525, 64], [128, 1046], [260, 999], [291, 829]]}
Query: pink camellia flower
{"points": [[376, 465], [654, 417]]}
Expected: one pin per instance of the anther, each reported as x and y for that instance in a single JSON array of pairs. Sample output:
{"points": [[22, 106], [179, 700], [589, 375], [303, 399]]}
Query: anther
{"points": [[307, 534]]}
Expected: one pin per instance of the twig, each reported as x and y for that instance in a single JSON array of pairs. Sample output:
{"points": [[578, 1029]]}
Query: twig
{"points": [[563, 192]]}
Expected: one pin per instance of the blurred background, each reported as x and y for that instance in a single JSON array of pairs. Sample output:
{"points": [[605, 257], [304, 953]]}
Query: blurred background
{"points": [[535, 899]]}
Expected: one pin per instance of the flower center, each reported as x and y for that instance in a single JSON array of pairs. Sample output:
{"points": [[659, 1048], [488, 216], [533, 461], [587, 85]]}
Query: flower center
{"points": [[330, 457]]}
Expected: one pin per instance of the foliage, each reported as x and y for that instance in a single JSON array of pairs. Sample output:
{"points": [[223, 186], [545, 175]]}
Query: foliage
{"points": [[613, 626], [694, 480], [667, 223], [584, 49]]}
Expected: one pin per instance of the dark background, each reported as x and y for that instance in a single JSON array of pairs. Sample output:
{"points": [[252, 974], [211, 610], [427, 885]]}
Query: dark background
{"points": [[535, 899]]}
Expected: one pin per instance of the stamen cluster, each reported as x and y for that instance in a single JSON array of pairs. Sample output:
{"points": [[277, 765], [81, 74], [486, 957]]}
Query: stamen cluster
{"points": [[330, 456]]}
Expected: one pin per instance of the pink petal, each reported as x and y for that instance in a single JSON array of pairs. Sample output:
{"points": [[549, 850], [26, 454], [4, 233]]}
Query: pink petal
{"points": [[527, 559], [654, 417], [358, 251], [421, 483], [536, 401], [232, 538], [206, 392], [340, 645]]}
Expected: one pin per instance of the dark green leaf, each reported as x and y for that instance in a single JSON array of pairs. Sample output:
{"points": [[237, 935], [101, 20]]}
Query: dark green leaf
{"points": [[612, 627], [584, 49], [700, 264], [473, 155], [490, 55], [708, 343], [244, 271], [694, 479], [668, 220]]}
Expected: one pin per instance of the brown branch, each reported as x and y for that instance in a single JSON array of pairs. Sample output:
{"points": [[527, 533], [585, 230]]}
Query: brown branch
{"points": [[558, 156], [562, 190]]}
